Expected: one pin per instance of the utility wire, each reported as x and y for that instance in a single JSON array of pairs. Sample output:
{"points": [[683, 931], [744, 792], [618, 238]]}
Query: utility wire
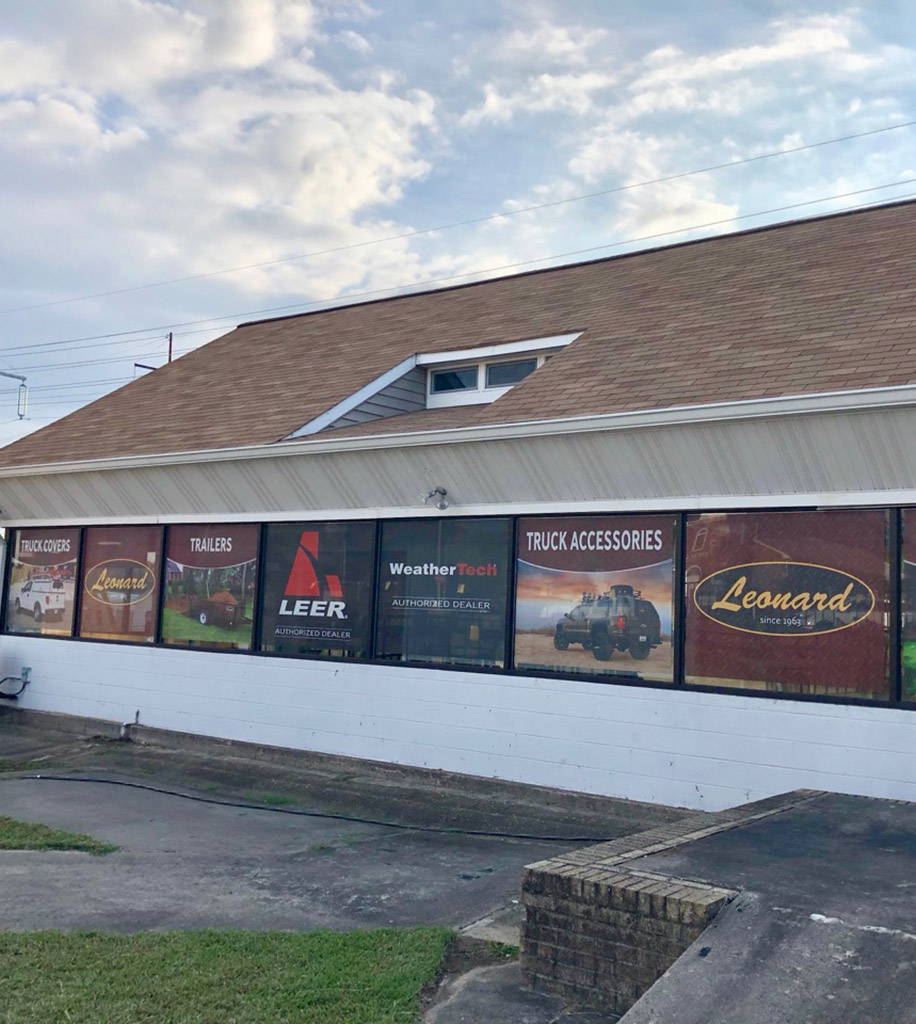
{"points": [[469, 222], [343, 301], [109, 337], [95, 362], [80, 383]]}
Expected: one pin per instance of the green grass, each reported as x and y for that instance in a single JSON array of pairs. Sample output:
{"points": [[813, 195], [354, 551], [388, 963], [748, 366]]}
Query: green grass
{"points": [[8, 764], [25, 835], [218, 977], [177, 628], [502, 950], [268, 799]]}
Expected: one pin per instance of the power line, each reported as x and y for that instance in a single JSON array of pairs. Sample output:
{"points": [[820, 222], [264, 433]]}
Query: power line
{"points": [[115, 334], [80, 384], [469, 222], [339, 302], [92, 362], [506, 266]]}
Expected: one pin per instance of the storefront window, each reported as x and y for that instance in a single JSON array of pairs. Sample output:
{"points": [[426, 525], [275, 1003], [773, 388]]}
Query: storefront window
{"points": [[442, 591], [595, 595], [42, 582], [120, 583], [211, 573], [789, 602], [318, 589]]}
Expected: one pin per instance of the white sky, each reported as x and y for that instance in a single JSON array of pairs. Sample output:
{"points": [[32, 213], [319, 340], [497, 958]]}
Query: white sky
{"points": [[144, 140]]}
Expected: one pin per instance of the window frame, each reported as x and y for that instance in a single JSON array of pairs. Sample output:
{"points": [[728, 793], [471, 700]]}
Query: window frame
{"points": [[896, 701], [434, 373], [483, 393], [538, 363]]}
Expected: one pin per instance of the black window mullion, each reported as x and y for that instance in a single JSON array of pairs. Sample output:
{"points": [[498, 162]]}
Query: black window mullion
{"points": [[11, 536], [679, 626], [511, 597], [896, 610], [375, 596], [78, 589], [258, 606], [163, 580]]}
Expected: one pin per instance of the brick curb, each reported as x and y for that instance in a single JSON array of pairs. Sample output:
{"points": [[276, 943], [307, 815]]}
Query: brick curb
{"points": [[600, 932]]}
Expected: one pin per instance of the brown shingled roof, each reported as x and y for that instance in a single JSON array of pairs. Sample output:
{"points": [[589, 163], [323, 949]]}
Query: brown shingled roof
{"points": [[818, 305]]}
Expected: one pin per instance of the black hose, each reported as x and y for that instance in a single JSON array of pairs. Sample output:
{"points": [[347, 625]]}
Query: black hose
{"points": [[13, 679], [322, 814]]}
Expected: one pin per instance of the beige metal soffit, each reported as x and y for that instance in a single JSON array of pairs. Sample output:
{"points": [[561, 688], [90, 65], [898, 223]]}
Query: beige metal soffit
{"points": [[753, 408]]}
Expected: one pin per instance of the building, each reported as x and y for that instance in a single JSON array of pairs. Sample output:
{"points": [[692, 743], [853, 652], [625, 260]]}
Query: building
{"points": [[640, 526]]}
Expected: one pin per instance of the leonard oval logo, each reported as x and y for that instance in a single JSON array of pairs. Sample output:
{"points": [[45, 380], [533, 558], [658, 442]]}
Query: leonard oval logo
{"points": [[784, 598], [120, 581]]}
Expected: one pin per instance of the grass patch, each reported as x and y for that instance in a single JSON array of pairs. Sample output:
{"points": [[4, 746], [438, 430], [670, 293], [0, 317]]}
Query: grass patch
{"points": [[8, 764], [269, 799], [502, 950], [218, 977], [26, 835]]}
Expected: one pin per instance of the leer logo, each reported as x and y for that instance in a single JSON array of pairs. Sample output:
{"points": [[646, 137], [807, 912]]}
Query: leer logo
{"points": [[313, 591], [120, 581], [784, 598]]}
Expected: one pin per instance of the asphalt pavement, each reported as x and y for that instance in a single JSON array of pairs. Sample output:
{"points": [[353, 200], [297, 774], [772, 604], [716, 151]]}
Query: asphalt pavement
{"points": [[184, 864]]}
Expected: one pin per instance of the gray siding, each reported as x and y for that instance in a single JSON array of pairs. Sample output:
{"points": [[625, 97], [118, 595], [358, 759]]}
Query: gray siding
{"points": [[406, 394]]}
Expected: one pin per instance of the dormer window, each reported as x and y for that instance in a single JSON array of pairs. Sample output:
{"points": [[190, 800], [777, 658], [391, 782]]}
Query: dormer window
{"points": [[501, 375], [476, 376], [436, 380], [478, 383], [487, 375], [461, 378]]}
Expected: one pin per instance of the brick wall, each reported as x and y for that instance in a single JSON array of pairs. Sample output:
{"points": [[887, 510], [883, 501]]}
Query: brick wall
{"points": [[602, 937], [600, 931]]}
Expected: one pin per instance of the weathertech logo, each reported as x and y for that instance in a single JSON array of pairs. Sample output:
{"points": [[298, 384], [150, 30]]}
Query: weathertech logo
{"points": [[308, 592]]}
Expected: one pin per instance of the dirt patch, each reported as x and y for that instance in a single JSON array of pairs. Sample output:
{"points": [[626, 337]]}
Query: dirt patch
{"points": [[462, 955]]}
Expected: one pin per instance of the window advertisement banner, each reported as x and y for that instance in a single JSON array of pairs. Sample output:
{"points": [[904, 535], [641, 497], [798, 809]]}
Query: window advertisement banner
{"points": [[211, 572], [908, 598], [318, 589], [791, 602], [595, 595], [120, 584], [42, 582], [442, 591]]}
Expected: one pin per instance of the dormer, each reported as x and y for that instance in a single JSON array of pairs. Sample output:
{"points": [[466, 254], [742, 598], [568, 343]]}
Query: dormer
{"points": [[436, 380]]}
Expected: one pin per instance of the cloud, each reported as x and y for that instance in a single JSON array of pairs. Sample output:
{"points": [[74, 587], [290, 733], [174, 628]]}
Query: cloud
{"points": [[354, 41], [546, 93], [551, 43], [799, 39], [199, 163], [728, 81], [142, 140], [146, 42]]}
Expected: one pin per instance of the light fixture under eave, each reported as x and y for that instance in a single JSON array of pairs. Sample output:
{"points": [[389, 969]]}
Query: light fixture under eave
{"points": [[440, 496]]}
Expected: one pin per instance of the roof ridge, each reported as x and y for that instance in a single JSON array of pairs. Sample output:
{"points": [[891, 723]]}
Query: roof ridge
{"points": [[776, 226]]}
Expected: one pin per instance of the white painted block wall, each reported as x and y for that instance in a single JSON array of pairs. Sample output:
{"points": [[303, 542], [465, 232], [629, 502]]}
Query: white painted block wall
{"points": [[696, 750]]}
